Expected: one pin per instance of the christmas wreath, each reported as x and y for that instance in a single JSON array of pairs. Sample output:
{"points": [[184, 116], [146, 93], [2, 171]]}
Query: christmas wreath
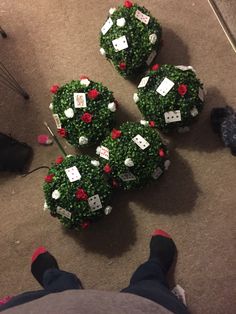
{"points": [[76, 191], [170, 96], [130, 38], [133, 155], [83, 111]]}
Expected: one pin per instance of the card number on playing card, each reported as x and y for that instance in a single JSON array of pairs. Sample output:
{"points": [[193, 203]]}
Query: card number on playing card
{"points": [[107, 26], [95, 202], [142, 17], [165, 86], [120, 43], [141, 142], [73, 174]]}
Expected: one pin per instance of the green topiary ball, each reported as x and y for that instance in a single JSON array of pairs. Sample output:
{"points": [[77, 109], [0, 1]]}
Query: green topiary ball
{"points": [[133, 155], [76, 191], [170, 96], [130, 38], [83, 111]]}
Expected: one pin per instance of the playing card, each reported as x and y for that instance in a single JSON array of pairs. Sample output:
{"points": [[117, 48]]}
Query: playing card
{"points": [[180, 294], [157, 173], [140, 141], [151, 57], [194, 112], [73, 174], [57, 121], [142, 17], [165, 86], [107, 26], [104, 152], [63, 212], [120, 43], [127, 176], [201, 94], [143, 82], [80, 100], [172, 116], [94, 203]]}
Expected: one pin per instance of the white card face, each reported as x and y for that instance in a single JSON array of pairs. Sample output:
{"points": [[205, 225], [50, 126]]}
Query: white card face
{"points": [[172, 116], [165, 86], [157, 173], [120, 43], [57, 120], [151, 57], [107, 26], [80, 100], [201, 94], [141, 142], [73, 174], [94, 203], [143, 82], [104, 152], [142, 17], [63, 212], [194, 112], [127, 176]]}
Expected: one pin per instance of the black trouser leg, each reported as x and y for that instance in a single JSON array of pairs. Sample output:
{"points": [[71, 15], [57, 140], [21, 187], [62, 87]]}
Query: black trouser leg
{"points": [[54, 280], [149, 281]]}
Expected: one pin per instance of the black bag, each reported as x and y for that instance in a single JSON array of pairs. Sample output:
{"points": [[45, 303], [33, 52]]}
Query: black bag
{"points": [[14, 156]]}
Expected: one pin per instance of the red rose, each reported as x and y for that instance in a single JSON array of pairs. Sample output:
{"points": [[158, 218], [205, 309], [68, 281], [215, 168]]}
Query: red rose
{"points": [[122, 66], [152, 124], [161, 153], [182, 89], [87, 117], [128, 4], [49, 178], [59, 160], [155, 67], [83, 77], [107, 168], [93, 94], [115, 134], [81, 194], [54, 89], [62, 132], [85, 225]]}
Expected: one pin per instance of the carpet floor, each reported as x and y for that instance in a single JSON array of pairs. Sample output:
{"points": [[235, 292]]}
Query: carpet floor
{"points": [[56, 41]]}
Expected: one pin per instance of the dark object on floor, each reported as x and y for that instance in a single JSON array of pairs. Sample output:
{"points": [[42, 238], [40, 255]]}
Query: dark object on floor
{"points": [[14, 156], [223, 121], [3, 33]]}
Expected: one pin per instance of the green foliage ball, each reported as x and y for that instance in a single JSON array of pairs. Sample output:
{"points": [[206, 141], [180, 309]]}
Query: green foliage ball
{"points": [[144, 40], [128, 166], [183, 102], [88, 125], [69, 201]]}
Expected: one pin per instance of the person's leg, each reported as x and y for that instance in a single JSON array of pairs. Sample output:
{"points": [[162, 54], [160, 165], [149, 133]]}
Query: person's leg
{"points": [[46, 271], [149, 280]]}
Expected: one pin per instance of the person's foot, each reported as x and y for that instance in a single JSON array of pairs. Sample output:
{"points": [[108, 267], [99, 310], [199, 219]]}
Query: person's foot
{"points": [[162, 249], [42, 260]]}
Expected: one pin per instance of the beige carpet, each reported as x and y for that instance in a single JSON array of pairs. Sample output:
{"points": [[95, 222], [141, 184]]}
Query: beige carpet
{"points": [[228, 11], [56, 41]]}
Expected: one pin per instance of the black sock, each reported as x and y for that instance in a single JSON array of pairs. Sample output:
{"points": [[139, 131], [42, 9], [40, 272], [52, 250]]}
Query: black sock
{"points": [[163, 250], [42, 263]]}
